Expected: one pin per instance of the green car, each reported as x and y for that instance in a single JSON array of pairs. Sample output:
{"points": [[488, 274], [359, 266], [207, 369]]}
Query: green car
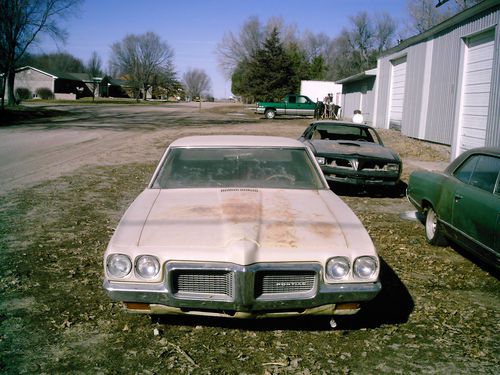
{"points": [[462, 203]]}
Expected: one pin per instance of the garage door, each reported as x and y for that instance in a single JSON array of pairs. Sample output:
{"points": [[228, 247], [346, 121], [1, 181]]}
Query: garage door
{"points": [[398, 80], [478, 64]]}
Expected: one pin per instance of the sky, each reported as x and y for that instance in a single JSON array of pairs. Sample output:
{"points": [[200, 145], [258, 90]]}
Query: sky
{"points": [[194, 28]]}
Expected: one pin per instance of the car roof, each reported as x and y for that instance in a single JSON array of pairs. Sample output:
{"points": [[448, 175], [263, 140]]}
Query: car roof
{"points": [[494, 151], [346, 123], [236, 141]]}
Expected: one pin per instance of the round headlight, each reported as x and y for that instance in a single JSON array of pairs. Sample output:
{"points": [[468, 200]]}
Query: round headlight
{"points": [[338, 268], [147, 266], [365, 267], [118, 265]]}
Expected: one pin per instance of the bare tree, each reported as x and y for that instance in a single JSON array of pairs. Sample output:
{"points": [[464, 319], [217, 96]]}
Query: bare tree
{"points": [[196, 83], [315, 45], [235, 49], [21, 22], [138, 58], [358, 47], [94, 71], [423, 15], [385, 30]]}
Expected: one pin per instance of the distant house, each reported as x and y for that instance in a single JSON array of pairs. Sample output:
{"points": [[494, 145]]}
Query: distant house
{"points": [[113, 88], [442, 85], [69, 85], [63, 85], [358, 94]]}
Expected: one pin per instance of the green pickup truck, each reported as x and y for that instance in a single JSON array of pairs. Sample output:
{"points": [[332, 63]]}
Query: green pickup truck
{"points": [[292, 105]]}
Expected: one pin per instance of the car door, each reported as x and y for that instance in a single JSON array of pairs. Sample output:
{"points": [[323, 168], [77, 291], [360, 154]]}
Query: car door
{"points": [[476, 203], [291, 105], [305, 106]]}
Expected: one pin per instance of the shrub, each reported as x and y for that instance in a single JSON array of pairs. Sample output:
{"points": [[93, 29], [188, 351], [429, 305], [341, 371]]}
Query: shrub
{"points": [[45, 93], [23, 93]]}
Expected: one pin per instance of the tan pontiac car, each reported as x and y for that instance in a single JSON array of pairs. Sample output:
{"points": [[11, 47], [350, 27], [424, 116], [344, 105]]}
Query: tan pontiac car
{"points": [[243, 227]]}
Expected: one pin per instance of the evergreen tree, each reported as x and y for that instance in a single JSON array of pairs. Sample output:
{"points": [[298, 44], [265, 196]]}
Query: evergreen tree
{"points": [[270, 73]]}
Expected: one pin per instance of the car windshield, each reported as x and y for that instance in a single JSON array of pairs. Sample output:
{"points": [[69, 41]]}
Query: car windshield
{"points": [[277, 168], [339, 132]]}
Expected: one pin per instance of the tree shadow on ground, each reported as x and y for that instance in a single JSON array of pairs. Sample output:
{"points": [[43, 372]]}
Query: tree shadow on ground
{"points": [[87, 117], [25, 115], [393, 305]]}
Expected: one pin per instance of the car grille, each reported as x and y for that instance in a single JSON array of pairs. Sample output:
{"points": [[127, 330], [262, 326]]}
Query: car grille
{"points": [[269, 282], [231, 282], [341, 163], [204, 282], [357, 164]]}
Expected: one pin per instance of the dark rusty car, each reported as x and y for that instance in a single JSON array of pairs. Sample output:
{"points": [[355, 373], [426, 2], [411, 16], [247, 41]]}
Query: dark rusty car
{"points": [[353, 154], [462, 203]]}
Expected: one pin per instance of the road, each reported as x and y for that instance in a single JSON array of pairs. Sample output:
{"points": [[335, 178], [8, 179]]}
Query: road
{"points": [[87, 135]]}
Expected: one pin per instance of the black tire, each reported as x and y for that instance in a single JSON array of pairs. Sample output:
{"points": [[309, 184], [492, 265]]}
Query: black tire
{"points": [[433, 229], [270, 114]]}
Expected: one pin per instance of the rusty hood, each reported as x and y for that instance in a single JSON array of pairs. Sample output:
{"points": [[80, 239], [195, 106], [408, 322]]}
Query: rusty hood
{"points": [[241, 225], [356, 148]]}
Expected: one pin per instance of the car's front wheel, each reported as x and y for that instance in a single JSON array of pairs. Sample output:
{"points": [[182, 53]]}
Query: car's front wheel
{"points": [[270, 114], [433, 229]]}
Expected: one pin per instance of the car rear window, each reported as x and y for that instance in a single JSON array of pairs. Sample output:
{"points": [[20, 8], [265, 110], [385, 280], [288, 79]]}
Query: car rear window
{"points": [[281, 168]]}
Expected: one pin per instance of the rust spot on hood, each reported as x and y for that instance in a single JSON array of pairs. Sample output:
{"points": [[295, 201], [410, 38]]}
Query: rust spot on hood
{"points": [[280, 228], [236, 210], [323, 229]]}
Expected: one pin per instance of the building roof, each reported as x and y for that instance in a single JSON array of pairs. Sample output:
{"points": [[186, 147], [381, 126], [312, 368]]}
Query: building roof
{"points": [[358, 77], [448, 23], [84, 77]]}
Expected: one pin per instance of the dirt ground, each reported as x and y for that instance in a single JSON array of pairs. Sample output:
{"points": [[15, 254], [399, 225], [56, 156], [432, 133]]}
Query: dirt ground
{"points": [[66, 180]]}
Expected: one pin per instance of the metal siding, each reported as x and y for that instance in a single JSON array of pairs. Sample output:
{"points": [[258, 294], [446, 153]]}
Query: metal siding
{"points": [[358, 95], [443, 88], [443, 95], [493, 122], [414, 88], [351, 102], [476, 90], [369, 101], [398, 89], [383, 91]]}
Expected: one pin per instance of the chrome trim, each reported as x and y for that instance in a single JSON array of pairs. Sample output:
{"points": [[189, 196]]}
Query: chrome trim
{"points": [[244, 298]]}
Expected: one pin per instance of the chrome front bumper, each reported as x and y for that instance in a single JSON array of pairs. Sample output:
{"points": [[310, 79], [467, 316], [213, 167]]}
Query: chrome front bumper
{"points": [[244, 300]]}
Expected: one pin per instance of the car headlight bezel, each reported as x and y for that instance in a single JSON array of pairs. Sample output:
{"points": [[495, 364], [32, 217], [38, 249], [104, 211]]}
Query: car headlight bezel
{"points": [[118, 265], [365, 267], [392, 167], [338, 268], [321, 160], [147, 266]]}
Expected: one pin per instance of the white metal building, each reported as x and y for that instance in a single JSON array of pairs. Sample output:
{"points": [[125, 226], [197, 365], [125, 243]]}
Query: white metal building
{"points": [[358, 94], [317, 90], [444, 85]]}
